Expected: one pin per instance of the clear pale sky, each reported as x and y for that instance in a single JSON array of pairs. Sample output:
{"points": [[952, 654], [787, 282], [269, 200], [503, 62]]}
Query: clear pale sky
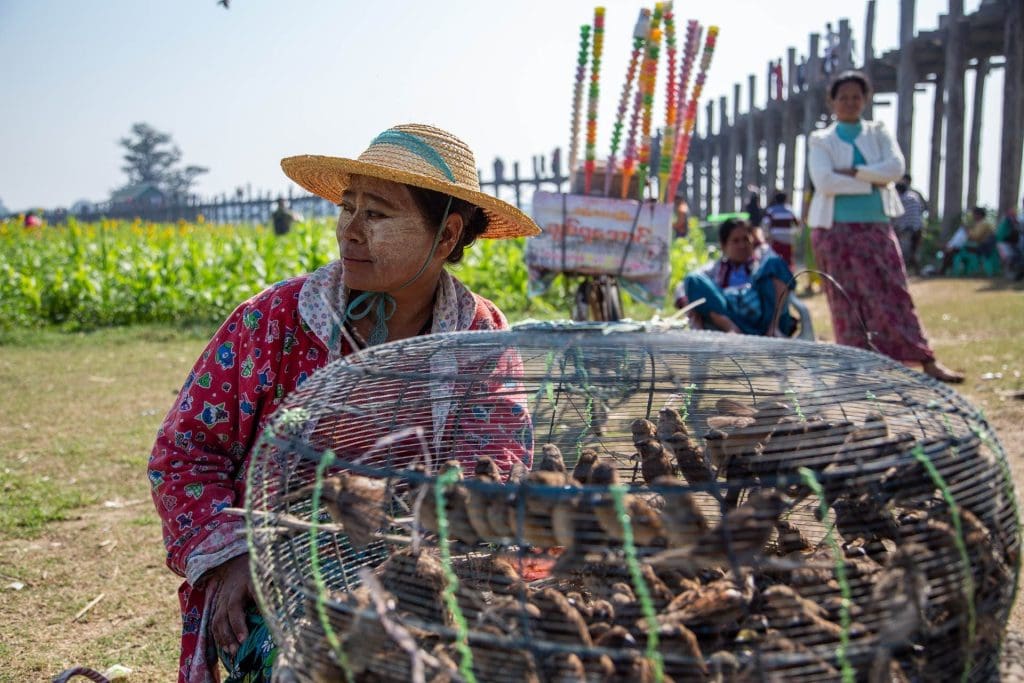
{"points": [[238, 89]]}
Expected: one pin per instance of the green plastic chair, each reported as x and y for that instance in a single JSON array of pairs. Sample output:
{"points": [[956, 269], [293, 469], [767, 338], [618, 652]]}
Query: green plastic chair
{"points": [[968, 263]]}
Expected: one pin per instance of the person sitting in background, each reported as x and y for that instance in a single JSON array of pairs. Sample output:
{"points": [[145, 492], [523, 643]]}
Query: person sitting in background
{"points": [[978, 238], [781, 223], [1009, 238], [910, 225], [741, 290]]}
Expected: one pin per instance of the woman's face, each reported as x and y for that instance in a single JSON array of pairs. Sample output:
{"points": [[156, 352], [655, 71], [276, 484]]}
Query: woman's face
{"points": [[383, 237], [849, 102], [739, 247]]}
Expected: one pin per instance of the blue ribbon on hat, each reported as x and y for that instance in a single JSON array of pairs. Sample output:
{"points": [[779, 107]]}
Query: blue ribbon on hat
{"points": [[417, 146]]}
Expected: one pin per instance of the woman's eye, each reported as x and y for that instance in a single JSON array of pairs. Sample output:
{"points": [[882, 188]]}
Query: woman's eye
{"points": [[370, 213], [345, 208]]}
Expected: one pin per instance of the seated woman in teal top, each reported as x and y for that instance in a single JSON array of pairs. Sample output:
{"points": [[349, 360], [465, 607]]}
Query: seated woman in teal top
{"points": [[742, 291]]}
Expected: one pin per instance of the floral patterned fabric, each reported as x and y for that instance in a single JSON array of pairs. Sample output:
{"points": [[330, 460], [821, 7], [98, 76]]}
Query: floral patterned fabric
{"points": [[268, 347], [865, 259]]}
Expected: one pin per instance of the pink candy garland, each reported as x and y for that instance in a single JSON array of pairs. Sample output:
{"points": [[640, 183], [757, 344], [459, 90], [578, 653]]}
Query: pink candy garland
{"points": [[683, 146]]}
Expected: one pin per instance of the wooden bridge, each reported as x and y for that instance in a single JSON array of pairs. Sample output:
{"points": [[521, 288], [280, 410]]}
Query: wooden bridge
{"points": [[758, 146]]}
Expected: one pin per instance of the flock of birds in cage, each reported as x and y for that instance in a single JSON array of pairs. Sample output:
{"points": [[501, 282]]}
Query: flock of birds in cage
{"points": [[772, 542]]}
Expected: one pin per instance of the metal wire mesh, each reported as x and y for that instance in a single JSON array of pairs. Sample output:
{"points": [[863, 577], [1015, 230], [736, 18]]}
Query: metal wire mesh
{"points": [[628, 502]]}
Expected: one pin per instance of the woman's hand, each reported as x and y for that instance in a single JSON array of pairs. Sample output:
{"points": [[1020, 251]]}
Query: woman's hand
{"points": [[232, 582]]}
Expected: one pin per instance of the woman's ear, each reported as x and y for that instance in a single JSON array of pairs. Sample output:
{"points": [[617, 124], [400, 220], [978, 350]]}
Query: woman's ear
{"points": [[453, 227]]}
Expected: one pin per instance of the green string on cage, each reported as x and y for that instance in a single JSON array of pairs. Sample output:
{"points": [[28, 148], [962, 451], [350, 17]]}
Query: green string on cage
{"points": [[811, 479], [314, 562], [796, 404], [451, 581], [961, 546], [687, 398], [643, 593]]}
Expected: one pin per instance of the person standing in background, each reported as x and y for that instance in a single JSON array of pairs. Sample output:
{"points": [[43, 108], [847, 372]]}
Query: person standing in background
{"points": [[780, 225], [910, 226], [282, 218], [853, 164]]}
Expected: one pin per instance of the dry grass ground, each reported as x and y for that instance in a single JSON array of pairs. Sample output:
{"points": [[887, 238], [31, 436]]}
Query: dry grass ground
{"points": [[77, 417]]}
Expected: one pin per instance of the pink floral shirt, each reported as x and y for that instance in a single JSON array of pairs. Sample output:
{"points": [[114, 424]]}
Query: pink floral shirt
{"points": [[268, 347]]}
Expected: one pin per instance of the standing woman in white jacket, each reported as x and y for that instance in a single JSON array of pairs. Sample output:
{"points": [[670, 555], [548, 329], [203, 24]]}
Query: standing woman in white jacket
{"points": [[853, 164]]}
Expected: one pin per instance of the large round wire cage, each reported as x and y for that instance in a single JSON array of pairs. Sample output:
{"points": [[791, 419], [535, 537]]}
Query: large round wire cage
{"points": [[628, 502]]}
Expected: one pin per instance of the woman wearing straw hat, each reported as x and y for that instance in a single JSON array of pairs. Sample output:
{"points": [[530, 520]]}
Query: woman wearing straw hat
{"points": [[409, 204]]}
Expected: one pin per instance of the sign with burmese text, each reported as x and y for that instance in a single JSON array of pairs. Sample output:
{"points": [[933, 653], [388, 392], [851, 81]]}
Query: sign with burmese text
{"points": [[600, 236]]}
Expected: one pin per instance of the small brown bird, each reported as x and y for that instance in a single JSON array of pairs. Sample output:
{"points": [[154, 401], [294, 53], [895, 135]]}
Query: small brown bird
{"points": [[902, 591], [654, 460], [730, 406], [456, 501], [559, 622], [417, 581], [644, 520], [791, 538], [681, 654], [564, 667], [683, 520], [720, 602], [643, 429], [551, 459], [355, 502], [584, 465], [486, 471], [740, 536], [689, 456]]}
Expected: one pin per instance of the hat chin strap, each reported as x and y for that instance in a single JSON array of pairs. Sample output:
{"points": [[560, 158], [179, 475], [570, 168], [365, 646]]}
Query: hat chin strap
{"points": [[382, 304]]}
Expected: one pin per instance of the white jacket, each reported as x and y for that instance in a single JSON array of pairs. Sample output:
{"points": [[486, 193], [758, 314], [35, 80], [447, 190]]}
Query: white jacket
{"points": [[827, 152]]}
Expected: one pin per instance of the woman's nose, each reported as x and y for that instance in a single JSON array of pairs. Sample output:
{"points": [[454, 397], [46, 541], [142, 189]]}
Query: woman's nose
{"points": [[352, 229]]}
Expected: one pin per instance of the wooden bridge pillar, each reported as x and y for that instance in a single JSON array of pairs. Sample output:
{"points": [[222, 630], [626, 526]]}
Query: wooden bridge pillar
{"points": [[709, 161], [974, 145], [751, 157], [906, 78], [869, 52], [789, 126], [953, 188], [935, 158], [845, 60], [726, 160], [1013, 107]]}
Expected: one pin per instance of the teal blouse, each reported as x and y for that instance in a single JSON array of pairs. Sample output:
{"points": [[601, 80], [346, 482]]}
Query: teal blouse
{"points": [[857, 208]]}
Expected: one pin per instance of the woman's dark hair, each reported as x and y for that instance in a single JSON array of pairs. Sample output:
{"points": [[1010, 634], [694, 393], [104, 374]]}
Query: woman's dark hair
{"points": [[432, 205], [858, 77], [726, 228]]}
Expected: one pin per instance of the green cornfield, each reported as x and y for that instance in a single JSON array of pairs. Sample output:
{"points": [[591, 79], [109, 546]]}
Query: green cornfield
{"points": [[83, 276]]}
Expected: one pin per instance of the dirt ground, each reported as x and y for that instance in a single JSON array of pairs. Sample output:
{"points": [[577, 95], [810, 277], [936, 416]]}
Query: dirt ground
{"points": [[111, 549]]}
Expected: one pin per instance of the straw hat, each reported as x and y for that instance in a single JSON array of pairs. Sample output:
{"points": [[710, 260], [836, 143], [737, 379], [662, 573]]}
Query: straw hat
{"points": [[417, 155]]}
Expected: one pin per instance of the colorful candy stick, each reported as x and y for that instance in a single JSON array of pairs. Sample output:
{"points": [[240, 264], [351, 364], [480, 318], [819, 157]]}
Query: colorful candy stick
{"points": [[639, 35], [595, 74], [668, 143], [693, 34], [691, 113], [577, 97], [632, 154], [650, 76]]}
